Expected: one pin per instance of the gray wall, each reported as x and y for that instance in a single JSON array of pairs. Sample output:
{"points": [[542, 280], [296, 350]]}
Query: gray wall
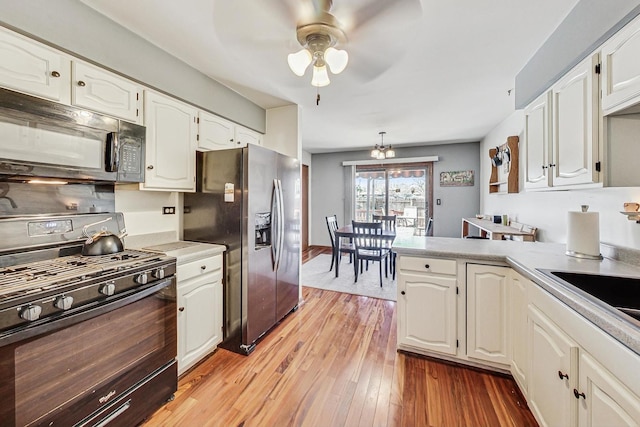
{"points": [[76, 28], [327, 187], [588, 25]]}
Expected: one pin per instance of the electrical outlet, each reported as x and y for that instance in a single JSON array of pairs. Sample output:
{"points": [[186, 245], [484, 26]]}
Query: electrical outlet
{"points": [[168, 210]]}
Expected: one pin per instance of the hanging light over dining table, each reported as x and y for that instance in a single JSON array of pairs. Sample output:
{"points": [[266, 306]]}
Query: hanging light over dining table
{"points": [[381, 151]]}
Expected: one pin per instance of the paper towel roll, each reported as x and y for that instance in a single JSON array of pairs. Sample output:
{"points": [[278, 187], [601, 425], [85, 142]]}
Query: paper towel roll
{"points": [[583, 237]]}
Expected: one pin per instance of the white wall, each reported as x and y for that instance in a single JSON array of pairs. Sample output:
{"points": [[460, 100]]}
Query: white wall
{"points": [[143, 210], [547, 210], [283, 130]]}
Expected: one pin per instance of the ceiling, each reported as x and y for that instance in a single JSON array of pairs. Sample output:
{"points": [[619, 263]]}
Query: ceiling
{"points": [[424, 71]]}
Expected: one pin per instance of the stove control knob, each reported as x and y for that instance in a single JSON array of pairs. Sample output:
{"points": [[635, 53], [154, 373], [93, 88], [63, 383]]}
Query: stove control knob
{"points": [[30, 312], [142, 278], [63, 302], [108, 289], [159, 273]]}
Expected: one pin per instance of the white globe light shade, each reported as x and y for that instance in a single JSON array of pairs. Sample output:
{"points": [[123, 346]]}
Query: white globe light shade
{"points": [[299, 61], [336, 59], [375, 152], [320, 76], [390, 153]]}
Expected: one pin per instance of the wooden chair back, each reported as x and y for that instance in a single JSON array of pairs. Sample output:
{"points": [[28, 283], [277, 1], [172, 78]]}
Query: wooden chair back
{"points": [[388, 221]]}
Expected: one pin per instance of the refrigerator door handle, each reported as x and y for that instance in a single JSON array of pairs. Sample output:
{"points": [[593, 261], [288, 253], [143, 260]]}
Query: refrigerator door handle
{"points": [[281, 230], [274, 225]]}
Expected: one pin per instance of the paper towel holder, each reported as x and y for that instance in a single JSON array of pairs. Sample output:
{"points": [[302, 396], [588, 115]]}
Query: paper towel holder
{"points": [[583, 208]]}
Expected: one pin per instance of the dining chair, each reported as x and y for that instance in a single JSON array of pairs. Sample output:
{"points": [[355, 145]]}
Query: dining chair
{"points": [[345, 247], [371, 245], [388, 224]]}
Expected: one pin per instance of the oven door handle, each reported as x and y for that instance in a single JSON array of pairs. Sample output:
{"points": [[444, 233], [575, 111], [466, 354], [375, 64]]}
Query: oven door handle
{"points": [[46, 325]]}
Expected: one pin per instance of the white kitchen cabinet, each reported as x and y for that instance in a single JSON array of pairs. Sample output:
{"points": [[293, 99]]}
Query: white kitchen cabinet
{"points": [[99, 90], [553, 370], [575, 127], [518, 324], [31, 67], [170, 144], [427, 304], [621, 69], [244, 136], [603, 400], [217, 133], [487, 313], [199, 310], [537, 142]]}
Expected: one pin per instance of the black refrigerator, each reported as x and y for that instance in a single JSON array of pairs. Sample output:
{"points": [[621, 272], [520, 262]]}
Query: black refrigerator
{"points": [[248, 199]]}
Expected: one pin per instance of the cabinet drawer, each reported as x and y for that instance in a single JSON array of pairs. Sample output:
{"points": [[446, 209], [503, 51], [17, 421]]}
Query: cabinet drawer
{"points": [[428, 265], [199, 268]]}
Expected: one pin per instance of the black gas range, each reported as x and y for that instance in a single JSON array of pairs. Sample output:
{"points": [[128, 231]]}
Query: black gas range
{"points": [[108, 322]]}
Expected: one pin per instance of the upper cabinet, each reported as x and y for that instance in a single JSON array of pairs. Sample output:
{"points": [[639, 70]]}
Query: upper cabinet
{"points": [[575, 125], [30, 67], [621, 69], [105, 92], [171, 143], [217, 133], [561, 144]]}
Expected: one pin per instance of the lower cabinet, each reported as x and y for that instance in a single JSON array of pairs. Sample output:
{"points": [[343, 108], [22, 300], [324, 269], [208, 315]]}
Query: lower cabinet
{"points": [[487, 313], [518, 325], [427, 304], [199, 310]]}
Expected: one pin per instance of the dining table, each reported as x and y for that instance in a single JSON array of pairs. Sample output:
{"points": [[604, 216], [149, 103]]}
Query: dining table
{"points": [[346, 232]]}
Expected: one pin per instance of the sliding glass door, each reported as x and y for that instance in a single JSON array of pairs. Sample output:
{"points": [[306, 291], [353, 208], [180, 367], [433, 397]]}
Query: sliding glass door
{"points": [[401, 190]]}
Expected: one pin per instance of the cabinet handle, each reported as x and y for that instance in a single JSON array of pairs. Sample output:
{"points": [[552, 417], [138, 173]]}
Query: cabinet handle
{"points": [[81, 83], [578, 395], [544, 167], [181, 309], [426, 266], [150, 167], [551, 165], [55, 74], [402, 292], [203, 267], [563, 376]]}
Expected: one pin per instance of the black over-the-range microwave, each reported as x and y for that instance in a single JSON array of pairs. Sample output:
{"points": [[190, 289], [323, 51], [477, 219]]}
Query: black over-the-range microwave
{"points": [[44, 139]]}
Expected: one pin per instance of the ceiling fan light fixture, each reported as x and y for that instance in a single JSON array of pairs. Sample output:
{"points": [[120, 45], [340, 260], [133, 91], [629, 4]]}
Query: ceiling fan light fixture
{"points": [[320, 76], [299, 61], [336, 59]]}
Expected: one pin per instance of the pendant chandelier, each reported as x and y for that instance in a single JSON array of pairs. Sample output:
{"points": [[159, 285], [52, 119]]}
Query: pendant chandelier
{"points": [[381, 152]]}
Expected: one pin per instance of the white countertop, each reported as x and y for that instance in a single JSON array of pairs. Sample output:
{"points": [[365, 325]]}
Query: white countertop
{"points": [[526, 258], [185, 252]]}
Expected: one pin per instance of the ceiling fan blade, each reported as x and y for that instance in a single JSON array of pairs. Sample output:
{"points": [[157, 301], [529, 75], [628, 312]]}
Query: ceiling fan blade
{"points": [[381, 35]]}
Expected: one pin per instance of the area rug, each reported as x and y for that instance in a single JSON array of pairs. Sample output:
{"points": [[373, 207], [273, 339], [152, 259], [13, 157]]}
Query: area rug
{"points": [[316, 274]]}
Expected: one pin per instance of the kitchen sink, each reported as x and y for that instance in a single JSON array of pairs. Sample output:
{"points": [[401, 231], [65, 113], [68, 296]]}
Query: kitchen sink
{"points": [[620, 293]]}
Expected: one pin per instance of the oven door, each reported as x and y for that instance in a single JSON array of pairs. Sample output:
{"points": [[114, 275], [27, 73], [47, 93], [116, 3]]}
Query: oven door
{"points": [[89, 367]]}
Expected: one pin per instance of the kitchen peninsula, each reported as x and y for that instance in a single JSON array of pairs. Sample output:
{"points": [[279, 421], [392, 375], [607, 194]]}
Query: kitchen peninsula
{"points": [[489, 304]]}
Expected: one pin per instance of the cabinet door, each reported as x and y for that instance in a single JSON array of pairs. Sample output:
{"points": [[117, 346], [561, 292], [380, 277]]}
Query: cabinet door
{"points": [[621, 69], [553, 372], [606, 401], [427, 312], [518, 333], [246, 136], [537, 142], [487, 305], [102, 91], [575, 126], [199, 327], [31, 67], [171, 143], [215, 133]]}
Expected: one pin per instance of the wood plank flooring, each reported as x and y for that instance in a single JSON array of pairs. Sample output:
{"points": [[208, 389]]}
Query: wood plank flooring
{"points": [[334, 362]]}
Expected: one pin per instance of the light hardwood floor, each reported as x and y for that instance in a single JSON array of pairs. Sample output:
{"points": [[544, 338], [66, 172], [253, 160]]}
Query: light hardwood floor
{"points": [[334, 362]]}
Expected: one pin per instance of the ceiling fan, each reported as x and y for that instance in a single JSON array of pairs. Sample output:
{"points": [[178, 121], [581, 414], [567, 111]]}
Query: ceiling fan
{"points": [[368, 35]]}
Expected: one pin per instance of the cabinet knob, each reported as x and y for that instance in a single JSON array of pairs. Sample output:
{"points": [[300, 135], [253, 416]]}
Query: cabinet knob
{"points": [[578, 395], [203, 267], [55, 74], [150, 167], [552, 165], [544, 167], [426, 266], [181, 309], [563, 376], [81, 83], [402, 292]]}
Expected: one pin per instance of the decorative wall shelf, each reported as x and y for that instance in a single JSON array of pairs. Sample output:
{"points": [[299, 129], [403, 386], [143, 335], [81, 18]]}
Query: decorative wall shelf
{"points": [[504, 167]]}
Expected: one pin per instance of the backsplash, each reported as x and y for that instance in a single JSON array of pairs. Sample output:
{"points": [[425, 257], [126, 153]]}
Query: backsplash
{"points": [[17, 199]]}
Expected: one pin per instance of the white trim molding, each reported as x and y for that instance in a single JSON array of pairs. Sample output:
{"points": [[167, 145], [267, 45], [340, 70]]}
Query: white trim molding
{"points": [[395, 160]]}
